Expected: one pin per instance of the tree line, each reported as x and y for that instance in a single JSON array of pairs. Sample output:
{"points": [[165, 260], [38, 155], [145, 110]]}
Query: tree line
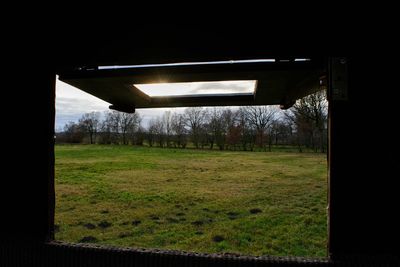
{"points": [[246, 128]]}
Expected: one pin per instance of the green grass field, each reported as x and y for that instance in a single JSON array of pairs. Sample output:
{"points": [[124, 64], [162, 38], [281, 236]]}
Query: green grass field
{"points": [[252, 203]]}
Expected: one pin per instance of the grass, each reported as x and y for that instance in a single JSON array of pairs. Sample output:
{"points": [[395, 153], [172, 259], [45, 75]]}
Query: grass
{"points": [[252, 203]]}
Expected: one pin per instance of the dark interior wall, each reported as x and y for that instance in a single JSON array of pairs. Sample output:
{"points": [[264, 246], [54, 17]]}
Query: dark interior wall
{"points": [[363, 147], [29, 163], [172, 43], [364, 197]]}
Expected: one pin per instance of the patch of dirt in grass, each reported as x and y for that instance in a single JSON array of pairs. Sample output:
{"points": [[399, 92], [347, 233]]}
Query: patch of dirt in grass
{"points": [[172, 220], [88, 239], [308, 221], [255, 211], [136, 222], [89, 226], [198, 223], [123, 235], [104, 224], [154, 217], [232, 215], [218, 238]]}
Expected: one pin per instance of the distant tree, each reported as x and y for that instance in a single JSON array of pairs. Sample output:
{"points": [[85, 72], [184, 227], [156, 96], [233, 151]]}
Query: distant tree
{"points": [[140, 136], [151, 132], [106, 135], [90, 124], [281, 131], [179, 130], [247, 132], [299, 128], [216, 128], [233, 136], [309, 116], [203, 135], [128, 123], [167, 123], [113, 120], [229, 119], [119, 127], [159, 127], [156, 132], [73, 133], [194, 117], [134, 129], [260, 118]]}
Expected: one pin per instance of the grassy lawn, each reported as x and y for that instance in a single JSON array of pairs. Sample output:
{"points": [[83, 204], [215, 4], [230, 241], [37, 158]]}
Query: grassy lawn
{"points": [[252, 203]]}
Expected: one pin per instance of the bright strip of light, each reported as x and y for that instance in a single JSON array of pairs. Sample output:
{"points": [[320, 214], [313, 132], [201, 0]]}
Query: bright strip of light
{"points": [[301, 59], [198, 88], [187, 64]]}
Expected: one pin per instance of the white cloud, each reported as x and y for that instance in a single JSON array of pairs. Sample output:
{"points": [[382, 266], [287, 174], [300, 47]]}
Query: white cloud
{"points": [[72, 103]]}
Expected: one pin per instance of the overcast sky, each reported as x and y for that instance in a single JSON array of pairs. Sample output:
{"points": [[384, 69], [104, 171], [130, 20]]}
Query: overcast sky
{"points": [[72, 103]]}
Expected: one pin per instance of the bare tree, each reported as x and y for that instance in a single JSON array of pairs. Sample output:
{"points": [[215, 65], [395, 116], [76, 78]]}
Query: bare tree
{"points": [[281, 131], [73, 133], [113, 119], [261, 118], [134, 128], [127, 123], [119, 127], [90, 123], [178, 129], [215, 127], [233, 137], [194, 119], [230, 130], [139, 136], [247, 134], [167, 123], [156, 132], [151, 132], [106, 129], [309, 115]]}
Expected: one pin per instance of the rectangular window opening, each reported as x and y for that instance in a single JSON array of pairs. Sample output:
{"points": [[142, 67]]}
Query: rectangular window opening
{"points": [[198, 88], [248, 180]]}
